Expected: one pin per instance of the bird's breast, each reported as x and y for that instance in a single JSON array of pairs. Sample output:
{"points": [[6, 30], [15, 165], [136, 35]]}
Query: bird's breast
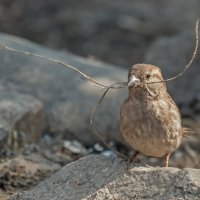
{"points": [[151, 127]]}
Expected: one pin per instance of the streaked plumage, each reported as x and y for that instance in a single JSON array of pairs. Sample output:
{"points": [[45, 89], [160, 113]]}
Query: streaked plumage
{"points": [[150, 120]]}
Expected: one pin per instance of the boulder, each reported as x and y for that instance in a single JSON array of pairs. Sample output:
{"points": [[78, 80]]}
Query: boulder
{"points": [[68, 98], [22, 118], [99, 177]]}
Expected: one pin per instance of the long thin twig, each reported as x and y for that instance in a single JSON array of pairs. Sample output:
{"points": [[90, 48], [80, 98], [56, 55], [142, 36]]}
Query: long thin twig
{"points": [[93, 80], [55, 61], [194, 52], [115, 85]]}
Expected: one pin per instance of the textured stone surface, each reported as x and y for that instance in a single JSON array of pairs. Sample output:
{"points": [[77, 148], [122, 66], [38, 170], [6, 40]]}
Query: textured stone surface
{"points": [[98, 177], [22, 118], [24, 172], [68, 98]]}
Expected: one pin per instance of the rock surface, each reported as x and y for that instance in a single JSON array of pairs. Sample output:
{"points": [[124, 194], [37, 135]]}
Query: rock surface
{"points": [[24, 172], [22, 118], [68, 99], [99, 177]]}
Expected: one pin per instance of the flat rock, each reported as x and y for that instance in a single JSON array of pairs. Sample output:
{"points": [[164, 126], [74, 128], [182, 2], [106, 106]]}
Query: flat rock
{"points": [[99, 177], [22, 118]]}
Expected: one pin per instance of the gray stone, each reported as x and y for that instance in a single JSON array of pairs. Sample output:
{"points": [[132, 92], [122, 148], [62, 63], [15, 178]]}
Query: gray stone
{"points": [[22, 118], [24, 172], [68, 99], [172, 54], [99, 177]]}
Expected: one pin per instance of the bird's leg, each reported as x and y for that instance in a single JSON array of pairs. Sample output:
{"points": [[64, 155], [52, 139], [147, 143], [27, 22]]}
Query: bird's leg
{"points": [[166, 160], [134, 158]]}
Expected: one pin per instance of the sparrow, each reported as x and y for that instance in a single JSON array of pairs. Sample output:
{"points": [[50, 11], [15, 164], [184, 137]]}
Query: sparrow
{"points": [[150, 121]]}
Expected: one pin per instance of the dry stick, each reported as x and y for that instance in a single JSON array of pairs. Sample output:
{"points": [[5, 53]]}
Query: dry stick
{"points": [[93, 80], [115, 85], [191, 59], [55, 61]]}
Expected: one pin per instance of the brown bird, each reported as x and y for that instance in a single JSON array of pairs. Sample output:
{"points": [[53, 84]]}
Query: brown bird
{"points": [[150, 120]]}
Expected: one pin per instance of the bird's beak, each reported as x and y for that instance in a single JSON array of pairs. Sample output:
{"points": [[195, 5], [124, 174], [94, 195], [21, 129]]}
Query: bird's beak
{"points": [[133, 81]]}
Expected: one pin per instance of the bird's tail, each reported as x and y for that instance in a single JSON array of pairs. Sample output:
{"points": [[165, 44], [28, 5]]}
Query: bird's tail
{"points": [[187, 132]]}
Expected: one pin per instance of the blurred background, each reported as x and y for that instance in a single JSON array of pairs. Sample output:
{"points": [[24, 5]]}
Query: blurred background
{"points": [[116, 33]]}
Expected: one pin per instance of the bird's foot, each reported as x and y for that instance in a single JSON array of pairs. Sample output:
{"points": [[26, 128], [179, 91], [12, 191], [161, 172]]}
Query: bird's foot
{"points": [[135, 160]]}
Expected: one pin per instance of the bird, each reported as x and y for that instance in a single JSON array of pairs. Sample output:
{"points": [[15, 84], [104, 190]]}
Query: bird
{"points": [[150, 120]]}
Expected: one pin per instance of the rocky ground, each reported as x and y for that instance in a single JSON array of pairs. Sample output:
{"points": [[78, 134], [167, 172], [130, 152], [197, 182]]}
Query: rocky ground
{"points": [[111, 179], [45, 108]]}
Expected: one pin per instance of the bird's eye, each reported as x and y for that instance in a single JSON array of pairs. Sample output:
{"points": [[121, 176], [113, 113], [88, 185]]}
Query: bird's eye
{"points": [[147, 76]]}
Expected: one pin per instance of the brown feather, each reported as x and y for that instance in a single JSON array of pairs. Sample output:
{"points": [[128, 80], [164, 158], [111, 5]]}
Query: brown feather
{"points": [[187, 132]]}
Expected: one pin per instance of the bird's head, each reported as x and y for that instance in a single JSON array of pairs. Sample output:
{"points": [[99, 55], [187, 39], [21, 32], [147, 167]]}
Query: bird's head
{"points": [[140, 75]]}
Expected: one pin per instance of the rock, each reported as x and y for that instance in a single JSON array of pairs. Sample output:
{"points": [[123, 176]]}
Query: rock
{"points": [[98, 177], [74, 147], [68, 99], [21, 118], [24, 172], [172, 54]]}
